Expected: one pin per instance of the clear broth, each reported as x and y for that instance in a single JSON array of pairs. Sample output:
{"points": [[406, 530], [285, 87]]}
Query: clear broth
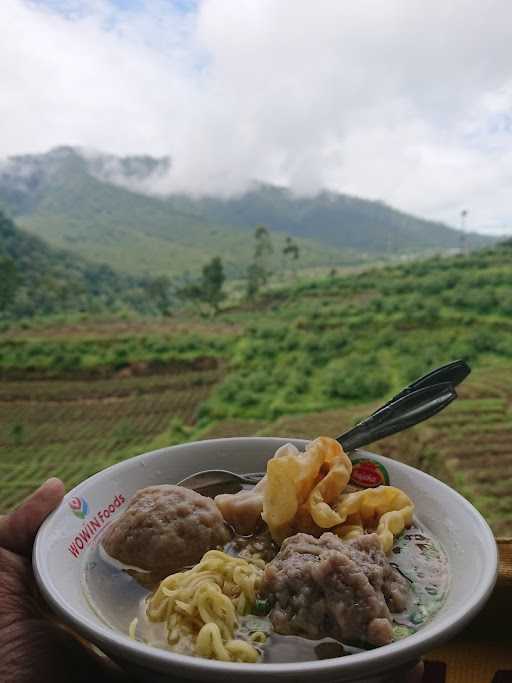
{"points": [[118, 598]]}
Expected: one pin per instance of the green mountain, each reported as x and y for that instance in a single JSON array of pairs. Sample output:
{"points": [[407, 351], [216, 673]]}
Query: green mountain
{"points": [[97, 206], [38, 279], [338, 220]]}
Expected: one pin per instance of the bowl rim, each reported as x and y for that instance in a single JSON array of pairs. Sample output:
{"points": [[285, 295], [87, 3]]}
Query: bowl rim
{"points": [[388, 656]]}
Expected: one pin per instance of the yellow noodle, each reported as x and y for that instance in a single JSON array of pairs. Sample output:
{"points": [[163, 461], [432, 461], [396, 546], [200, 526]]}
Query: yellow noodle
{"points": [[209, 643], [132, 628], [258, 637], [254, 559], [242, 651], [205, 602]]}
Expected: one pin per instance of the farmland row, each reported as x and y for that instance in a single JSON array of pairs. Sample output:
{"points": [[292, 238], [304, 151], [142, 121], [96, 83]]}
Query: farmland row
{"points": [[100, 422]]}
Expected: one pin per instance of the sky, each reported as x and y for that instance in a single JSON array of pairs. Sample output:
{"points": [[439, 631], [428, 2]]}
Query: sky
{"points": [[406, 101]]}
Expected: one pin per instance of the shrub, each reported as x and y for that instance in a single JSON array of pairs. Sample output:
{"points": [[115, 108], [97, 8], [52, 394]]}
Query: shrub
{"points": [[484, 341], [352, 382]]}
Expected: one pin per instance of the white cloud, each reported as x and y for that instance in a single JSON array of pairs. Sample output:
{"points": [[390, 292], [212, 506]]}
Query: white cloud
{"points": [[409, 102]]}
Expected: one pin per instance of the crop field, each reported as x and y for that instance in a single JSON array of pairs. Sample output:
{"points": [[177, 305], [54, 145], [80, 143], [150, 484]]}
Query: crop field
{"points": [[72, 429]]}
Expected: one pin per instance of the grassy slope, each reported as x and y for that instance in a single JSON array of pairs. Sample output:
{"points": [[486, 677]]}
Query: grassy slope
{"points": [[128, 249]]}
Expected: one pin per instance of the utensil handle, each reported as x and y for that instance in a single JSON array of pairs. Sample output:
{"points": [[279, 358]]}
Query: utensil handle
{"points": [[453, 373], [401, 414]]}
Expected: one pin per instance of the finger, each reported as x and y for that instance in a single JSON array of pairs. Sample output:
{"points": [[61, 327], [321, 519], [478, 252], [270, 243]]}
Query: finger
{"points": [[93, 666], [35, 650], [19, 528]]}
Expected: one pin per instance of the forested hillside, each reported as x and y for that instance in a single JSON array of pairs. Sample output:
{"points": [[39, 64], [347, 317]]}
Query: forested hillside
{"points": [[337, 220], [39, 280]]}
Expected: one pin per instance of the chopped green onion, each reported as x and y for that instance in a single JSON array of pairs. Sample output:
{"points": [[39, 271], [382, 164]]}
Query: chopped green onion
{"points": [[262, 606], [402, 631]]}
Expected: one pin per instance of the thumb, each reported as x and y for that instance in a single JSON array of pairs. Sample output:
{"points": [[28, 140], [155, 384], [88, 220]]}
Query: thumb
{"points": [[19, 528]]}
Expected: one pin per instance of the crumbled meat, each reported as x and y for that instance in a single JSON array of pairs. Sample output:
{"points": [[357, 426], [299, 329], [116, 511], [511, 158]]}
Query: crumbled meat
{"points": [[326, 587], [164, 529]]}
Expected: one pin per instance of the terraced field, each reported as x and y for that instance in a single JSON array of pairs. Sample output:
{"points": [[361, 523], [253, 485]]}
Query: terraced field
{"points": [[72, 429]]}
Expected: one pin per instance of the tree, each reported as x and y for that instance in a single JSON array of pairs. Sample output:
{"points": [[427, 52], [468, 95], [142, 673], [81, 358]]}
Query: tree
{"points": [[259, 270], [9, 281], [158, 289], [212, 283], [263, 251], [208, 289], [190, 292], [291, 253], [255, 281]]}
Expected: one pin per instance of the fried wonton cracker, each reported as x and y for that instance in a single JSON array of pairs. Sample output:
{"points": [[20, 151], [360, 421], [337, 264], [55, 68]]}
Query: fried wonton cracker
{"points": [[328, 489], [300, 487], [386, 507], [290, 477], [351, 528]]}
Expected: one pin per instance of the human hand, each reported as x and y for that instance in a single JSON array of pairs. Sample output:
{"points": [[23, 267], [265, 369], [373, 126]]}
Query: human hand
{"points": [[34, 647]]}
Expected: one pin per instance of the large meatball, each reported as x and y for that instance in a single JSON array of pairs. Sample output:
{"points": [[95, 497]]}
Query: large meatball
{"points": [[164, 529], [326, 587]]}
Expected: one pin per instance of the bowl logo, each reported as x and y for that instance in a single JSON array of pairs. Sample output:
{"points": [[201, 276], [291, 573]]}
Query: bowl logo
{"points": [[79, 507]]}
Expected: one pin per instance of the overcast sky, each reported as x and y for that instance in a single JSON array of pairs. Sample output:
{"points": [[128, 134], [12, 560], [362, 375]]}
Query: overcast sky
{"points": [[408, 101]]}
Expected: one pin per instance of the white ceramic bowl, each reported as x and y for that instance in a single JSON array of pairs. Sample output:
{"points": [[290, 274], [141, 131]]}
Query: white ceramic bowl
{"points": [[59, 555]]}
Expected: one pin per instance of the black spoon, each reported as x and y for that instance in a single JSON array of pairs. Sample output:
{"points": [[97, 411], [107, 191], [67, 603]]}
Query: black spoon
{"points": [[404, 412], [411, 407], [454, 373]]}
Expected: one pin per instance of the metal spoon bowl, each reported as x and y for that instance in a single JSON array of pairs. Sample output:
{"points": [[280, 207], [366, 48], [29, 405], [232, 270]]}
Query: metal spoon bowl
{"points": [[209, 479]]}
